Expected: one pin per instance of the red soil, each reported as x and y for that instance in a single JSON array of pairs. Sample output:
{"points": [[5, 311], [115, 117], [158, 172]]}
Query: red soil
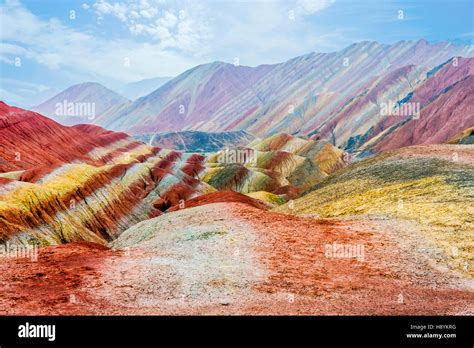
{"points": [[93, 129], [293, 248], [34, 174], [298, 277], [52, 284]]}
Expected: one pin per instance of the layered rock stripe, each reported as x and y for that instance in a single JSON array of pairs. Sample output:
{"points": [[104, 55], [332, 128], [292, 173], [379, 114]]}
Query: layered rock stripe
{"points": [[334, 96], [279, 164], [61, 184]]}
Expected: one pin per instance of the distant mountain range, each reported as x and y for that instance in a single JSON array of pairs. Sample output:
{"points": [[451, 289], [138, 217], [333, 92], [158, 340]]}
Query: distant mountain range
{"points": [[338, 96], [196, 141], [81, 103], [446, 100], [24, 94], [103, 100], [142, 88]]}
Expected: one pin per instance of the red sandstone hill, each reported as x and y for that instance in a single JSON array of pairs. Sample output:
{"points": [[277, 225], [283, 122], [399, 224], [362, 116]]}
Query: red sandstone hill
{"points": [[28, 140], [63, 184]]}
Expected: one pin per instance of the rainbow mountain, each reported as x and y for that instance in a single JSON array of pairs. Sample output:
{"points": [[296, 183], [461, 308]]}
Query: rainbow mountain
{"points": [[62, 184], [336, 96]]}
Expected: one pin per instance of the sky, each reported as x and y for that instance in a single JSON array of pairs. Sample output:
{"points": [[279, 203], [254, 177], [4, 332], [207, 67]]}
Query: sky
{"points": [[49, 45]]}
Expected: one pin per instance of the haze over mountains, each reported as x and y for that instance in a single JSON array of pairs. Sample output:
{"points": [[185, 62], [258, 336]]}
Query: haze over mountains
{"points": [[105, 100], [336, 96], [135, 90], [296, 96], [97, 100]]}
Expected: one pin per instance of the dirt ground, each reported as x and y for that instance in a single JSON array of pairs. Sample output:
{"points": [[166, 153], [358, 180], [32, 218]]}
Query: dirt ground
{"points": [[231, 258]]}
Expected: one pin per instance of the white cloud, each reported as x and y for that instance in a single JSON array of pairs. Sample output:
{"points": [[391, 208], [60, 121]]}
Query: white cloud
{"points": [[6, 48], [168, 24], [169, 20], [24, 94], [313, 6], [9, 52], [264, 32], [19, 23], [148, 13], [26, 85], [50, 59], [168, 39], [7, 60], [119, 10], [88, 56]]}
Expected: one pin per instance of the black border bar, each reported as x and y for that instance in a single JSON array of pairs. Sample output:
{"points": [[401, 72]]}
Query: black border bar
{"points": [[226, 330]]}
